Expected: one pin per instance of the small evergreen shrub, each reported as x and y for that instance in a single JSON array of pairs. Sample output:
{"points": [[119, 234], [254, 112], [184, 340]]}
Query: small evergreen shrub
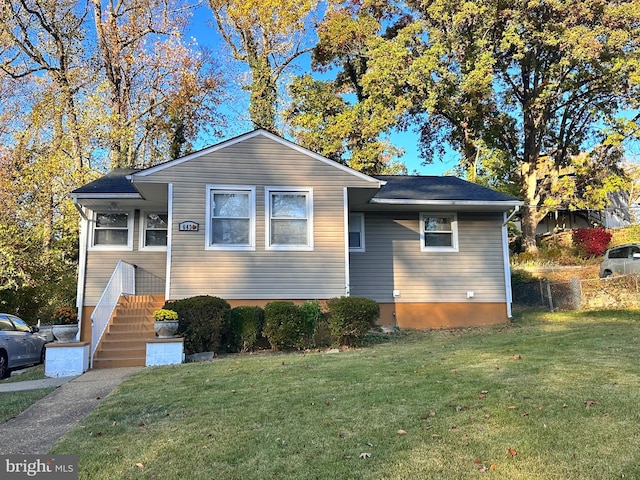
{"points": [[201, 322], [591, 242], [288, 326], [350, 318], [311, 317], [244, 328]]}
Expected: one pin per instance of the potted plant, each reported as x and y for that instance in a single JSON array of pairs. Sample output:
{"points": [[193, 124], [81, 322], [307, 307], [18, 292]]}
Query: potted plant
{"points": [[166, 323], [65, 324]]}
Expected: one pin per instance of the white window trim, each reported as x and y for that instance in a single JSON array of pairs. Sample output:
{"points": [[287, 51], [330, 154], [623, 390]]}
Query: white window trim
{"points": [[114, 248], [251, 190], [361, 248], [143, 230], [454, 232], [308, 191]]}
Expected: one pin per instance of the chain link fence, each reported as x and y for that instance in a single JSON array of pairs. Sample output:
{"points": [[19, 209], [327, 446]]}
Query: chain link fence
{"points": [[576, 294]]}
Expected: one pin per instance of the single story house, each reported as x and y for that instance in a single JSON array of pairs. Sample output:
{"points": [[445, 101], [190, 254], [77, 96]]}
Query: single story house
{"points": [[258, 218]]}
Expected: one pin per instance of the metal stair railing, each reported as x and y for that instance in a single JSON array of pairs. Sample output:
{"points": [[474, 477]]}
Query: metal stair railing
{"points": [[122, 282]]}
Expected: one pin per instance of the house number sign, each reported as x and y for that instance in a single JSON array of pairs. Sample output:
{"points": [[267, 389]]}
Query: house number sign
{"points": [[189, 226]]}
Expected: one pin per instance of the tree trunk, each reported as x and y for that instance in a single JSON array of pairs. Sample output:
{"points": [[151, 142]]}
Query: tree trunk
{"points": [[530, 214]]}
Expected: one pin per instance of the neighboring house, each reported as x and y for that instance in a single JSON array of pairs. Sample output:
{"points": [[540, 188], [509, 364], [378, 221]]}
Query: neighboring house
{"points": [[258, 218]]}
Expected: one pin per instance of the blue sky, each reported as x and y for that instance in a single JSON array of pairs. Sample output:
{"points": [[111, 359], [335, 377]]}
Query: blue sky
{"points": [[206, 35]]}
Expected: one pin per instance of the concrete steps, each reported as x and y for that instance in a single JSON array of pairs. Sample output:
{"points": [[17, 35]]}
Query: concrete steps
{"points": [[124, 342]]}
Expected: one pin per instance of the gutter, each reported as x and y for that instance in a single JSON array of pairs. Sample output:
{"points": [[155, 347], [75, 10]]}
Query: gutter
{"points": [[79, 208], [513, 214], [465, 203]]}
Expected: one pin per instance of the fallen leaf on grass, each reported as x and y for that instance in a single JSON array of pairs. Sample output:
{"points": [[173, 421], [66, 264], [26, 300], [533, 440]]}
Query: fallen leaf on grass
{"points": [[512, 452], [483, 468], [401, 432], [511, 407]]}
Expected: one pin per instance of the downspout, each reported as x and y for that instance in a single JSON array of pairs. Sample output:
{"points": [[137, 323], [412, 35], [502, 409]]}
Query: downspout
{"points": [[507, 264], [347, 276], [82, 263], [167, 281]]}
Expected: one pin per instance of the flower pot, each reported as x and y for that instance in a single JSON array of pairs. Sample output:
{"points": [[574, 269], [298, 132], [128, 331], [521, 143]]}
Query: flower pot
{"points": [[65, 333], [166, 328]]}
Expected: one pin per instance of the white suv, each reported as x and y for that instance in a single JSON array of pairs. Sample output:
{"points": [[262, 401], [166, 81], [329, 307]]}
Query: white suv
{"points": [[622, 260]]}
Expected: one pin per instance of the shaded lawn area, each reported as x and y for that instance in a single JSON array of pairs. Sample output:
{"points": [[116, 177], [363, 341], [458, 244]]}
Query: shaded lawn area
{"points": [[547, 396], [13, 403]]}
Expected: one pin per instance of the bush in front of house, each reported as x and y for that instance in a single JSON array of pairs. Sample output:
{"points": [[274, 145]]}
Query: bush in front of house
{"points": [[591, 242], [350, 318], [243, 328], [201, 322], [288, 326]]}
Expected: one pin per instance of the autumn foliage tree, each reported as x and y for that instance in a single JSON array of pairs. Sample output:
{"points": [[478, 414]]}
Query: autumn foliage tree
{"points": [[335, 116], [523, 82], [266, 36], [160, 90]]}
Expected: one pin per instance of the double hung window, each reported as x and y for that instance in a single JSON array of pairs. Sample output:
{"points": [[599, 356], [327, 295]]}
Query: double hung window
{"points": [[154, 230], [231, 218], [438, 232], [356, 232], [289, 218], [112, 231]]}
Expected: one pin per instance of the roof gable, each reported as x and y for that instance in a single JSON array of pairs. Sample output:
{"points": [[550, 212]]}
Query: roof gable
{"points": [[247, 136]]}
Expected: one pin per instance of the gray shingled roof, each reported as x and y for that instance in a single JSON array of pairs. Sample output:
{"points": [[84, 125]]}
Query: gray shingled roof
{"points": [[433, 188], [397, 188], [113, 183]]}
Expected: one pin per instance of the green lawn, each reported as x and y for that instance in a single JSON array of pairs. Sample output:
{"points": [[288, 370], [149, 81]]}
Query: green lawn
{"points": [[550, 396], [13, 403]]}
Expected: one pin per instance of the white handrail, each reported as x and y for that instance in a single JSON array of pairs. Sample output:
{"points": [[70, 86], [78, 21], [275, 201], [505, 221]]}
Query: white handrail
{"points": [[122, 281]]}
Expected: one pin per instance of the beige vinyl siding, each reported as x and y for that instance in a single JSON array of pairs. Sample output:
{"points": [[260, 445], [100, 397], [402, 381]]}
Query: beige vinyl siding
{"points": [[393, 261], [260, 274], [100, 266]]}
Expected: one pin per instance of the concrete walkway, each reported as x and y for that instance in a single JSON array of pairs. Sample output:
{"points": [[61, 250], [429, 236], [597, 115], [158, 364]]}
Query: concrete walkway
{"points": [[39, 427]]}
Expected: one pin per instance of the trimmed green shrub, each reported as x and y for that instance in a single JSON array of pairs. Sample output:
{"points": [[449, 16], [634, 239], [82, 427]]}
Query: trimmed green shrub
{"points": [[350, 318], [311, 317], [243, 328], [289, 326], [201, 322]]}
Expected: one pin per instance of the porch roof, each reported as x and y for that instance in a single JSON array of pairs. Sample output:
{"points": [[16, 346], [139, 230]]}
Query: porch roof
{"points": [[113, 185]]}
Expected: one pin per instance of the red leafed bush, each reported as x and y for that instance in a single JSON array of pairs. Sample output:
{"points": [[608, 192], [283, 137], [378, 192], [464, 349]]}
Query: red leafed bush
{"points": [[591, 242]]}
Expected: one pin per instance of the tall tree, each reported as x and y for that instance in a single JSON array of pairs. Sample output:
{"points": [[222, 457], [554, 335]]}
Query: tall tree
{"points": [[267, 36], [533, 80], [160, 90], [335, 116], [44, 37]]}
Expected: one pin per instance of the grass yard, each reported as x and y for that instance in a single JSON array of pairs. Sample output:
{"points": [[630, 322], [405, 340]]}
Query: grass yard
{"points": [[13, 403], [550, 396]]}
